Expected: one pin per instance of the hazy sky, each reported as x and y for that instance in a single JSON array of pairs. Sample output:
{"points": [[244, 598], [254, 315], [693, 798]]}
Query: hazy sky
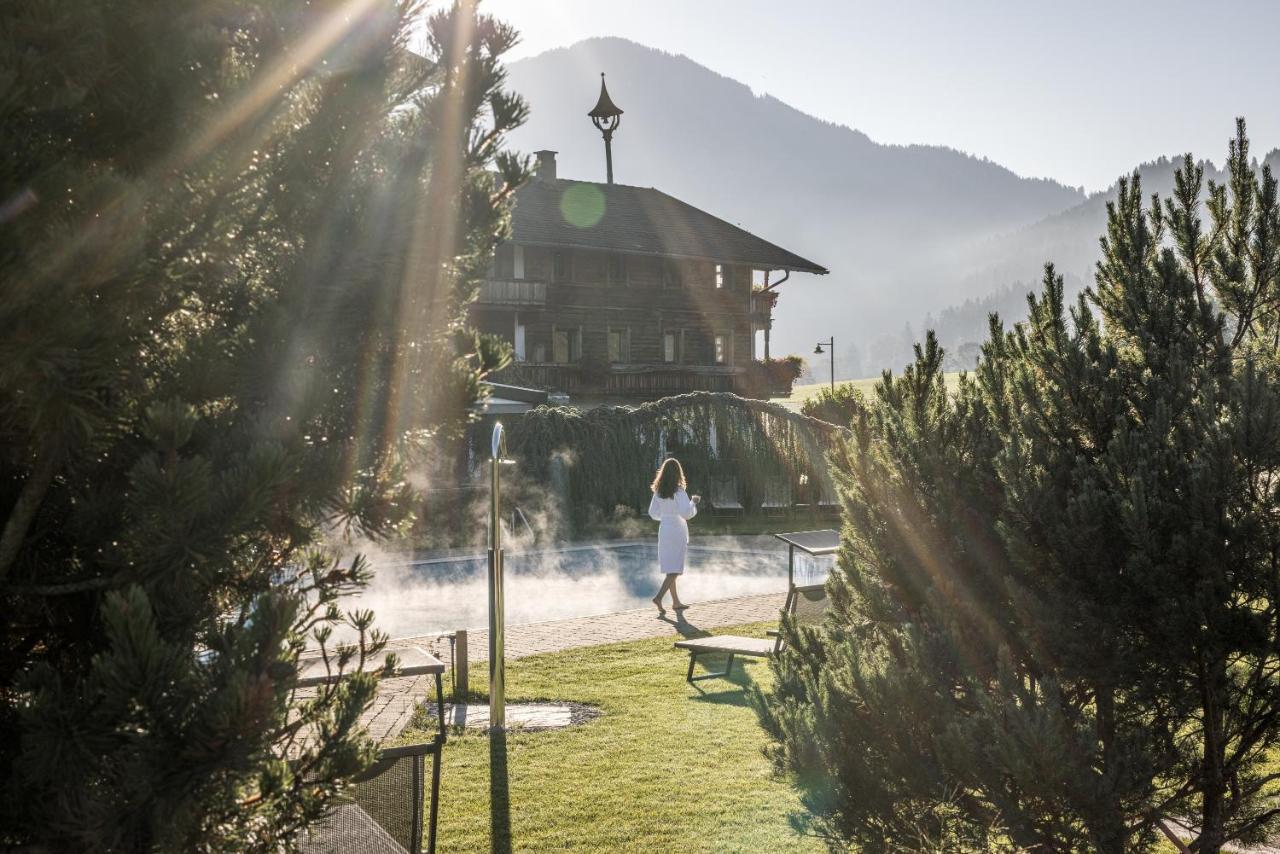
{"points": [[1076, 90]]}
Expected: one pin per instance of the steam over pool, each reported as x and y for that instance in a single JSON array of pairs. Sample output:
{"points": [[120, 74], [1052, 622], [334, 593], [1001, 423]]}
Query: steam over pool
{"points": [[443, 594]]}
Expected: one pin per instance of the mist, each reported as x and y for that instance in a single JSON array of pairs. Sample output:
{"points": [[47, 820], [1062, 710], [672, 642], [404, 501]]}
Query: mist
{"points": [[438, 595]]}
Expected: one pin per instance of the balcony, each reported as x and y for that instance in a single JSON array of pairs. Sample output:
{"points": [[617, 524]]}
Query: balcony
{"points": [[512, 292], [762, 303]]}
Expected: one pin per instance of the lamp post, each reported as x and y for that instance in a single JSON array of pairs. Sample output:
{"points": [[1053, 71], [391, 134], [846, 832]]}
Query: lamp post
{"points": [[831, 345], [497, 610], [606, 116]]}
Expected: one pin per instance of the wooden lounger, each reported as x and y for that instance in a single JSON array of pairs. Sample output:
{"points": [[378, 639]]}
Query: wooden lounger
{"points": [[733, 645], [724, 495], [807, 604]]}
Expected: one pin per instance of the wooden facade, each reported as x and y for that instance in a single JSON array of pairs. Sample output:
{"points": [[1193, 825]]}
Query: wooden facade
{"points": [[600, 321]]}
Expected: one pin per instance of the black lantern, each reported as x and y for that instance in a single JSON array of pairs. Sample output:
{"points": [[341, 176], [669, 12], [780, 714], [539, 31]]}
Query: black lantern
{"points": [[606, 116], [831, 347]]}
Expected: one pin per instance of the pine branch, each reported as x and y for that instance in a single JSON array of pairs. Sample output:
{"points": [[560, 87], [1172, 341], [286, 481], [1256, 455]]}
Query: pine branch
{"points": [[1257, 821], [25, 509], [66, 588], [1171, 836]]}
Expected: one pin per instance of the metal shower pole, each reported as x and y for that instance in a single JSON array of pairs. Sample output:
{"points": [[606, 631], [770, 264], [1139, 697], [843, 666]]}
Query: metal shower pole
{"points": [[497, 612]]}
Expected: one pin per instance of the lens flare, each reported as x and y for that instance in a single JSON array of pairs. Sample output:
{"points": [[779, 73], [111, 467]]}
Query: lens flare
{"points": [[583, 205]]}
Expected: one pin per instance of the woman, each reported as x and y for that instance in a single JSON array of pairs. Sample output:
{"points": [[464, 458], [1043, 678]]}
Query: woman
{"points": [[671, 507]]}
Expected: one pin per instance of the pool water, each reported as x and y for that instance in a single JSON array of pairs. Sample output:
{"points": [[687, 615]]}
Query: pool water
{"points": [[445, 594]]}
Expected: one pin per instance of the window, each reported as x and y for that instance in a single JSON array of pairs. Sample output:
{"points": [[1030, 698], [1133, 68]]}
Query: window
{"points": [[673, 346], [566, 345], [540, 353], [619, 344], [519, 340], [517, 267], [561, 266], [719, 275], [671, 275], [617, 269], [723, 354], [500, 264]]}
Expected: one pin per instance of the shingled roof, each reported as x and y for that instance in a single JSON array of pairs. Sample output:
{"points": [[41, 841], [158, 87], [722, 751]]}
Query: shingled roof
{"points": [[641, 221]]}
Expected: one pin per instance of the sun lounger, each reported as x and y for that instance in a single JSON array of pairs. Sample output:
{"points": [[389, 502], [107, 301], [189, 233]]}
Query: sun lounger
{"points": [[777, 497], [724, 495], [806, 604], [828, 501]]}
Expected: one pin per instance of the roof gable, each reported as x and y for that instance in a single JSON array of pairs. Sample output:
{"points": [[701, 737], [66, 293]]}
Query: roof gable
{"points": [[638, 220]]}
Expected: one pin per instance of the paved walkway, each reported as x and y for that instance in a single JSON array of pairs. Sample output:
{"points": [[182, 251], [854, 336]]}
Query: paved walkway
{"points": [[397, 697]]}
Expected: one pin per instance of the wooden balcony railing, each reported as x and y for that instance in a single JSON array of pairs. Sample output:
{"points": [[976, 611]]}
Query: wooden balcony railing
{"points": [[512, 292], [762, 303]]}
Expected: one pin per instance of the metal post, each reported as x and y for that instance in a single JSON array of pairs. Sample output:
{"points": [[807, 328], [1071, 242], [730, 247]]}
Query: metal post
{"points": [[833, 364], [608, 154], [460, 687], [497, 670]]}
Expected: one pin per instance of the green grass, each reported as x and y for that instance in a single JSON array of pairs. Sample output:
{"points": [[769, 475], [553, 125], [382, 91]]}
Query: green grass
{"points": [[801, 393], [665, 768]]}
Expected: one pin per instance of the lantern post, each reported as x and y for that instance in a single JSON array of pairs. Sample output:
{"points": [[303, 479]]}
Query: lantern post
{"points": [[606, 116]]}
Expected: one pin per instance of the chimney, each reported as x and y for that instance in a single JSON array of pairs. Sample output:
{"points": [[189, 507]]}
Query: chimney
{"points": [[546, 170]]}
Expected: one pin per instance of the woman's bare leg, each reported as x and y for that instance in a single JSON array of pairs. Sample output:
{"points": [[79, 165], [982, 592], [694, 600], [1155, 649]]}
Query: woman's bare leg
{"points": [[675, 598], [666, 585]]}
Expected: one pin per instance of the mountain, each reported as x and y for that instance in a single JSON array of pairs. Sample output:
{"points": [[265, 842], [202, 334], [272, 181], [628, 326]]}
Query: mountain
{"points": [[997, 274], [892, 223]]}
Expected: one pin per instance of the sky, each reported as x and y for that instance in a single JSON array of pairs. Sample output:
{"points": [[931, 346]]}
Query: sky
{"points": [[1080, 91]]}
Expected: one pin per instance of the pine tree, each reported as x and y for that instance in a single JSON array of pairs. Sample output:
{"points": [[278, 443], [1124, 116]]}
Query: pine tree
{"points": [[1057, 612], [237, 240]]}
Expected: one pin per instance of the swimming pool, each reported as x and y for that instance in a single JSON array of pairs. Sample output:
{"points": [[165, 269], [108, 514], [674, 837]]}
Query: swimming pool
{"points": [[448, 593]]}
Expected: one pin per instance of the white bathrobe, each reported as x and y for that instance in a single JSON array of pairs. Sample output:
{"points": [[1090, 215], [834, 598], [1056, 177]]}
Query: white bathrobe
{"points": [[673, 530]]}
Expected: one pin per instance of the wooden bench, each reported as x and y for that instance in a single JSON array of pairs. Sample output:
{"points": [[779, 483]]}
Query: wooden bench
{"points": [[411, 660], [806, 604], [732, 645]]}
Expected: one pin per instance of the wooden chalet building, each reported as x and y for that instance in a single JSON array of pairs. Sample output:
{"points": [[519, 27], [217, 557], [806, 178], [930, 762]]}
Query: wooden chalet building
{"points": [[607, 291]]}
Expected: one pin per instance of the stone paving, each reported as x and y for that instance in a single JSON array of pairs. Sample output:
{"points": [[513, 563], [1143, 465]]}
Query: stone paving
{"points": [[519, 716], [397, 697], [393, 708]]}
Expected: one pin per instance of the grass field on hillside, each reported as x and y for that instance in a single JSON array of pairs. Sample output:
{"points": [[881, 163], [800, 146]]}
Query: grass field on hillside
{"points": [[801, 393]]}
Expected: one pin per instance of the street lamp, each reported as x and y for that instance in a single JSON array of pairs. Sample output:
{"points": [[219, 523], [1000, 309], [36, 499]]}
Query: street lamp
{"points": [[831, 345], [606, 116]]}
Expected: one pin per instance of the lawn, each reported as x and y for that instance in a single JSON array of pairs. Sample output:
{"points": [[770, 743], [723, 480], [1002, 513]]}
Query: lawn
{"points": [[801, 393], [665, 768]]}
